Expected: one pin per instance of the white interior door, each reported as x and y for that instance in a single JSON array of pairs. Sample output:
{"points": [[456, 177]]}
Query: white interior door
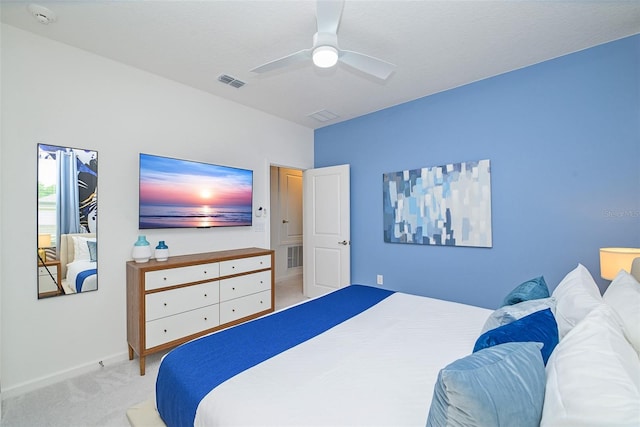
{"points": [[327, 232]]}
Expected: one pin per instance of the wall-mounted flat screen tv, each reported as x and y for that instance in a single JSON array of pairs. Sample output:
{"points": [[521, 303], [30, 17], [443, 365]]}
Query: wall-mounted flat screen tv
{"points": [[178, 193]]}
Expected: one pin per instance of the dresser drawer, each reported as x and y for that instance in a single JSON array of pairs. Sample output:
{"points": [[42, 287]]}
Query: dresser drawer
{"points": [[46, 283], [243, 265], [245, 306], [171, 328], [240, 286], [167, 303], [175, 276], [42, 271]]}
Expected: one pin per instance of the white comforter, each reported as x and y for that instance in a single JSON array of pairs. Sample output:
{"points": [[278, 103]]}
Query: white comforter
{"points": [[388, 356], [76, 267]]}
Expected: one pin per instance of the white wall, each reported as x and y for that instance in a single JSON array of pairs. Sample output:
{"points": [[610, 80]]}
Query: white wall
{"points": [[55, 94], [1, 239]]}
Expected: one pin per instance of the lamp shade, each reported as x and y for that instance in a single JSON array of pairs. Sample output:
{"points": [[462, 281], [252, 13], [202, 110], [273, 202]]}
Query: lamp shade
{"points": [[44, 240], [612, 260]]}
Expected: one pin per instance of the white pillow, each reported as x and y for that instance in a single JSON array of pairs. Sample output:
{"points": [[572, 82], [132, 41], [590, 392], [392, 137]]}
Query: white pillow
{"points": [[81, 249], [623, 295], [576, 295], [593, 376], [510, 313]]}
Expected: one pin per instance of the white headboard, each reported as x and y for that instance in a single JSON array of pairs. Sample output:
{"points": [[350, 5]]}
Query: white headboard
{"points": [[67, 249]]}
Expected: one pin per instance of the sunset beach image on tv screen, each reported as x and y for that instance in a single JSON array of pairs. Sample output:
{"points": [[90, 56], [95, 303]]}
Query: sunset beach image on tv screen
{"points": [[178, 193]]}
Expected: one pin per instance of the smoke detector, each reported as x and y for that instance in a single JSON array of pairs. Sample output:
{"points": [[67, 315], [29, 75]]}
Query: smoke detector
{"points": [[42, 14]]}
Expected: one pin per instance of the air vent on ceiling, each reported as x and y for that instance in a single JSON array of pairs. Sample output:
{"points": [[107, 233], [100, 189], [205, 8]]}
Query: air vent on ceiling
{"points": [[323, 116], [231, 81]]}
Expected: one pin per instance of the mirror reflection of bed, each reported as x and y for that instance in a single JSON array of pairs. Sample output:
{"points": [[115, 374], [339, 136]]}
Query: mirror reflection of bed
{"points": [[78, 261]]}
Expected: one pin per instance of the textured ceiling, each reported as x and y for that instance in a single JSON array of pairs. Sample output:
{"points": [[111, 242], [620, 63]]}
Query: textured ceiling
{"points": [[436, 45]]}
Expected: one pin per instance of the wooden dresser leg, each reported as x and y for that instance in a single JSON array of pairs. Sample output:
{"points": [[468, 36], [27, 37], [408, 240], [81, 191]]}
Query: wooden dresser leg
{"points": [[142, 358], [130, 353]]}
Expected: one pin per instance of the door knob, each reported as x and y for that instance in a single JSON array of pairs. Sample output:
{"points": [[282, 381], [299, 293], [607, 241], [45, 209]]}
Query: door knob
{"points": [[344, 242]]}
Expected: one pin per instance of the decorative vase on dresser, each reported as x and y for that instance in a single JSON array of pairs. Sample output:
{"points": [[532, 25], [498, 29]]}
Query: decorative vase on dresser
{"points": [[141, 250], [187, 296], [162, 251]]}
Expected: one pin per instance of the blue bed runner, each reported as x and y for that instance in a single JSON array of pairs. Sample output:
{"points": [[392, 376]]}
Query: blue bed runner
{"points": [[80, 278], [189, 372]]}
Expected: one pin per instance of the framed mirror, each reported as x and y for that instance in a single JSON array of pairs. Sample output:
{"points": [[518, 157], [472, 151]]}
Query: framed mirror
{"points": [[67, 249]]}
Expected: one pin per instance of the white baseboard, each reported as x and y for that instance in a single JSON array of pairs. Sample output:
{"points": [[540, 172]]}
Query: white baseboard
{"points": [[46, 380]]}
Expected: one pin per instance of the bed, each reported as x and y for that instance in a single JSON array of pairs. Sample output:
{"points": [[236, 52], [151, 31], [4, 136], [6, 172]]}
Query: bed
{"points": [[78, 259], [367, 356]]}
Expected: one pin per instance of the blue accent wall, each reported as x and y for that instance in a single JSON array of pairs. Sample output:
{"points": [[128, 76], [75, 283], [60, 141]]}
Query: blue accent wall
{"points": [[563, 137]]}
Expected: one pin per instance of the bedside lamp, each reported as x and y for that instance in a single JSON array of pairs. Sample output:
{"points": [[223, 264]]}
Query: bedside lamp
{"points": [[44, 241], [612, 260]]}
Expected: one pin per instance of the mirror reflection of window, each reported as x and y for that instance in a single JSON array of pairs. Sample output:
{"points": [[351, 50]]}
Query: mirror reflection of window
{"points": [[67, 220], [47, 197]]}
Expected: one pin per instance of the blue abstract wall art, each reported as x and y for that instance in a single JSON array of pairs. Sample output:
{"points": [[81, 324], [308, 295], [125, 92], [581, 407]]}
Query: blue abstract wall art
{"points": [[447, 205]]}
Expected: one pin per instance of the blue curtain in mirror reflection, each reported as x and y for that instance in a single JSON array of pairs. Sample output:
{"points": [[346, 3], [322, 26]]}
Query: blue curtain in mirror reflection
{"points": [[68, 215]]}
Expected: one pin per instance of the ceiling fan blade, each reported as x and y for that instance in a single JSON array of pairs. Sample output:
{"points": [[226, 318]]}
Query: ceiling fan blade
{"points": [[367, 64], [284, 62], [328, 14]]}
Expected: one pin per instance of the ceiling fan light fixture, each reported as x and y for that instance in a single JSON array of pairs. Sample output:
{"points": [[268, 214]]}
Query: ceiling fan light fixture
{"points": [[325, 56]]}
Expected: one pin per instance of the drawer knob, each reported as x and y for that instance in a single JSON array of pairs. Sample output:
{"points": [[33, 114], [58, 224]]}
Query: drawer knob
{"points": [[165, 331], [233, 309], [205, 272], [164, 278], [165, 304], [205, 319], [233, 289]]}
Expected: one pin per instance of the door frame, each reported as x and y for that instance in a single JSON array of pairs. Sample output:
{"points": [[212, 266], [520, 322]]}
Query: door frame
{"points": [[269, 202], [274, 232]]}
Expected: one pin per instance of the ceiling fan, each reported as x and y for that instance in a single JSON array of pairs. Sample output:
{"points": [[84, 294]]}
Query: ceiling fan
{"points": [[325, 52]]}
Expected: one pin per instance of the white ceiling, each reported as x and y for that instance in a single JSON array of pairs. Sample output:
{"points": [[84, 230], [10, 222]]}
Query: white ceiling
{"points": [[436, 45]]}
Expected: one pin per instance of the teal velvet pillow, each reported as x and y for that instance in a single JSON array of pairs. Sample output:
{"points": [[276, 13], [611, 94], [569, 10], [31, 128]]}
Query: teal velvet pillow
{"points": [[539, 327], [498, 386], [93, 250], [531, 289]]}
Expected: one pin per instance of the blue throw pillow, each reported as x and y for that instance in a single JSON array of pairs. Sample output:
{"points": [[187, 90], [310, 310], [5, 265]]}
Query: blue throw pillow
{"points": [[531, 289], [539, 327], [93, 250], [510, 313], [498, 386]]}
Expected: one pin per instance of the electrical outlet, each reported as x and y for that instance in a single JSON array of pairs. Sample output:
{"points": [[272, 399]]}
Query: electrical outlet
{"points": [[379, 279]]}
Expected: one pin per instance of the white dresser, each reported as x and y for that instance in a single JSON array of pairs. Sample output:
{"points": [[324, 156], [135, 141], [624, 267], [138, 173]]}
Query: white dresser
{"points": [[170, 302]]}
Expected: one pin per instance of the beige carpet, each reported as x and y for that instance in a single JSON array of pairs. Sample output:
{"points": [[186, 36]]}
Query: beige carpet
{"points": [[99, 398], [109, 396]]}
